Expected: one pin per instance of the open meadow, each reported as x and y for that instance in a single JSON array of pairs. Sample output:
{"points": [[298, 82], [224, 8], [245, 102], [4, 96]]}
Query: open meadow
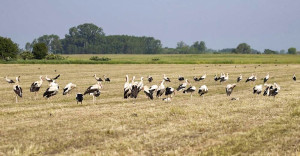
{"points": [[214, 125]]}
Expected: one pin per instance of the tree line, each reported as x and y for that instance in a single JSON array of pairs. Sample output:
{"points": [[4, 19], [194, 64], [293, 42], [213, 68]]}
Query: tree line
{"points": [[88, 38]]}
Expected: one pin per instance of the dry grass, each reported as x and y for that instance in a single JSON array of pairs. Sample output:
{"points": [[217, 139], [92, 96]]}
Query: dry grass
{"points": [[214, 126]]}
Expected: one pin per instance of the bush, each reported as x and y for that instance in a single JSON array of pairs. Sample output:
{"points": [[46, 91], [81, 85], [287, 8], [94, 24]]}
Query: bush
{"points": [[54, 57], [8, 49], [292, 50], [40, 50], [96, 58], [26, 55]]}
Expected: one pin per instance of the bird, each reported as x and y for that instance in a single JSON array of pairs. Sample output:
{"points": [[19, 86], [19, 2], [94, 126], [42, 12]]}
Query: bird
{"points": [[94, 90], [166, 78], [150, 79], [271, 90], [216, 78], [161, 89], [180, 78], [51, 80], [202, 90], [266, 78], [9, 80], [191, 90], [224, 78], [106, 78], [169, 91], [153, 88], [294, 77], [167, 99], [35, 86], [140, 84], [202, 77], [196, 78], [79, 98], [257, 89], [98, 78], [251, 78], [127, 88], [52, 90], [68, 88], [229, 88], [148, 93], [239, 78], [183, 85], [17, 89]]}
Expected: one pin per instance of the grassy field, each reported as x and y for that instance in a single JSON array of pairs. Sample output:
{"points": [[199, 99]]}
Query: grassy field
{"points": [[215, 125], [171, 59]]}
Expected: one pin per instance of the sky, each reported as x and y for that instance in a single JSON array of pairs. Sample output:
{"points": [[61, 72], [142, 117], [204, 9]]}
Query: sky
{"points": [[263, 24]]}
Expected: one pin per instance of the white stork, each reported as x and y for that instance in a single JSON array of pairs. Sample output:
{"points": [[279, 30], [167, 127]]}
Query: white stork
{"points": [[203, 77], [266, 78], [166, 78], [153, 88], [94, 90], [52, 90], [294, 77], [196, 78], [99, 79], [68, 88], [169, 91], [203, 90], [9, 80], [183, 85], [239, 78], [106, 78], [251, 78], [148, 93], [224, 78], [150, 79], [257, 89], [127, 88], [216, 78], [17, 89], [53, 79], [229, 88], [141, 84], [161, 89], [35, 86], [180, 78], [272, 90], [191, 90]]}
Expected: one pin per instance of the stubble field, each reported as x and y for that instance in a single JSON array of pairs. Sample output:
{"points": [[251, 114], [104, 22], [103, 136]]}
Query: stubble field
{"points": [[214, 125]]}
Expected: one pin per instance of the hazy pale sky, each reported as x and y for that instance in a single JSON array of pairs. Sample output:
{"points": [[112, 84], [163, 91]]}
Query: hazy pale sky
{"points": [[272, 24]]}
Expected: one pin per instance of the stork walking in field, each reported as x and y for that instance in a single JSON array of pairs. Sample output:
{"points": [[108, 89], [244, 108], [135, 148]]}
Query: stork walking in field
{"points": [[202, 77], [169, 91], [294, 77], [251, 78], [180, 78], [17, 89], [150, 78], [99, 79], [161, 89], [229, 88], [52, 90], [53, 79], [166, 78], [191, 90], [183, 85], [9, 80], [68, 88], [94, 90], [35, 86], [127, 88], [202, 90], [266, 78], [271, 90], [239, 78], [107, 79], [148, 93], [224, 78], [257, 89]]}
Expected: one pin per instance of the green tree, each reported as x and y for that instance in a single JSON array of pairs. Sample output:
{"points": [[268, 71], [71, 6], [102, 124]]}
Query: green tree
{"points": [[26, 55], [52, 42], [268, 51], [242, 48], [199, 46], [28, 46], [40, 50], [8, 49], [292, 50]]}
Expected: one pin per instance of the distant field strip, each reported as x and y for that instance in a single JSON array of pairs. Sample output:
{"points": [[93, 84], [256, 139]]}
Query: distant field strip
{"points": [[170, 59]]}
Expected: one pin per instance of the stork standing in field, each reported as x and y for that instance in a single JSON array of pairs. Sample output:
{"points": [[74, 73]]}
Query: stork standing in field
{"points": [[224, 78], [216, 78], [202, 77], [150, 79], [53, 79], [99, 79], [17, 89], [183, 85], [140, 84], [169, 91], [202, 90], [191, 90], [196, 78], [79, 98], [148, 93], [127, 88], [257, 89], [68, 88], [35, 86], [52, 90], [106, 78], [251, 78], [294, 77], [94, 90], [229, 88], [180, 78], [153, 88], [9, 80], [266, 78], [239, 78], [271, 90], [166, 78], [161, 89]]}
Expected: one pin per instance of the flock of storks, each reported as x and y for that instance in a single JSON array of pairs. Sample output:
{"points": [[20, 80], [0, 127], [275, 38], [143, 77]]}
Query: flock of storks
{"points": [[133, 88]]}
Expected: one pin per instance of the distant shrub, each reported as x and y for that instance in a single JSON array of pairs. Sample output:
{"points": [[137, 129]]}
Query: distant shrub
{"points": [[96, 58], [54, 57], [155, 59], [27, 55], [40, 50]]}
